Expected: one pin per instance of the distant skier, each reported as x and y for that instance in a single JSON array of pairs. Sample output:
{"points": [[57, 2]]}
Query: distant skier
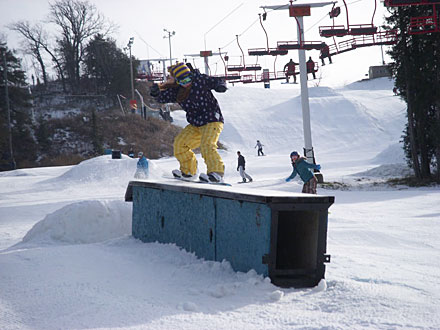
{"points": [[241, 168], [192, 90], [395, 90], [290, 67], [303, 168], [311, 67], [260, 148], [142, 167]]}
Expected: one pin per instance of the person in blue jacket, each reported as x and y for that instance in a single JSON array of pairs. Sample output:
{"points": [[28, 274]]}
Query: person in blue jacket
{"points": [[303, 168], [142, 167]]}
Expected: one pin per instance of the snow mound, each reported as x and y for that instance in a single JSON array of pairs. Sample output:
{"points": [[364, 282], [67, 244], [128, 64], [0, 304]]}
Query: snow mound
{"points": [[372, 84], [386, 171], [392, 155], [104, 170], [322, 92], [83, 222], [19, 172], [100, 169]]}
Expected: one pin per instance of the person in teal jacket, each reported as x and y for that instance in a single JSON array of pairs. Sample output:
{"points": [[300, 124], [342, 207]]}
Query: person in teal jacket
{"points": [[303, 168], [142, 167]]}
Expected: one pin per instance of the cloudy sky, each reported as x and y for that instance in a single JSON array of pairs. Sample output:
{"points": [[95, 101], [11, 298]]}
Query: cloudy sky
{"points": [[197, 21]]}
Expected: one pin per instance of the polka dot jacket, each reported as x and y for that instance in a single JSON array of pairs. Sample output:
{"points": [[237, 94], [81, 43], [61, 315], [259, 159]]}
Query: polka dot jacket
{"points": [[201, 106]]}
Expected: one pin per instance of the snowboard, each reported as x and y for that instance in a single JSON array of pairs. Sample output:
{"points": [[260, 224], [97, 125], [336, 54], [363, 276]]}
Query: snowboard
{"points": [[203, 182], [240, 182]]}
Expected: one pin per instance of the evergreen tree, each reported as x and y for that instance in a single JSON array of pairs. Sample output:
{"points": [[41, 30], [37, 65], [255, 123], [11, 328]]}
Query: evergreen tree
{"points": [[416, 72], [23, 145], [96, 137], [108, 66], [42, 135]]}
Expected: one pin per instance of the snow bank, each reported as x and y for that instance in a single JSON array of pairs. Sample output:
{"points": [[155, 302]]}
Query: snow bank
{"points": [[384, 83], [104, 170], [392, 155], [100, 169], [387, 171], [83, 222]]}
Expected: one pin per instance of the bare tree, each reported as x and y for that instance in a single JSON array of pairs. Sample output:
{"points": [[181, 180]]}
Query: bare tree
{"points": [[78, 20], [36, 40], [33, 36]]}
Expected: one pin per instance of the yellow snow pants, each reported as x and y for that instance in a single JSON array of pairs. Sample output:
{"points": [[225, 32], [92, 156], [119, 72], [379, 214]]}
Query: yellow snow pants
{"points": [[206, 138]]}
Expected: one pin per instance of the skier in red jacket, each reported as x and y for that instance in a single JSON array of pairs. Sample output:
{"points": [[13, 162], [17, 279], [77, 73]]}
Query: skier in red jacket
{"points": [[311, 67], [290, 66]]}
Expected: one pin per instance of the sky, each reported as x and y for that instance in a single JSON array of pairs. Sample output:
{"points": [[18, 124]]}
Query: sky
{"points": [[68, 260], [197, 21]]}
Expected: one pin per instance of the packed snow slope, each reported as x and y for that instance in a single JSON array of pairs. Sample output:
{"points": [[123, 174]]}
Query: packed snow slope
{"points": [[68, 261]]}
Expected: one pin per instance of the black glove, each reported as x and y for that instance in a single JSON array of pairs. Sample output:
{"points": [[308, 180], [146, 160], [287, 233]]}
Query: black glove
{"points": [[220, 88], [154, 90]]}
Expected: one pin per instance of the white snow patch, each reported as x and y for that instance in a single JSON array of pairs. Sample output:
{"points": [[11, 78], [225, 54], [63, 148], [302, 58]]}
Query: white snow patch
{"points": [[189, 306], [387, 171], [83, 222], [393, 154], [276, 295]]}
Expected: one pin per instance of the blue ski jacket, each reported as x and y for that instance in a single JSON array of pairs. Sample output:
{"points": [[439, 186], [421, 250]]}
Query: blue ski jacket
{"points": [[142, 163], [200, 105], [302, 168]]}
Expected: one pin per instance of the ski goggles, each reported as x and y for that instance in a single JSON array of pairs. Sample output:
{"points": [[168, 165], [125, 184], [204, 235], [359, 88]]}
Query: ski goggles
{"points": [[184, 81]]}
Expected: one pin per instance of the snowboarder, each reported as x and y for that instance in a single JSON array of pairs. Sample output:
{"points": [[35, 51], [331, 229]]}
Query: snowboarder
{"points": [[241, 167], [302, 167], [260, 148], [192, 91], [142, 167], [290, 66], [395, 90], [311, 67]]}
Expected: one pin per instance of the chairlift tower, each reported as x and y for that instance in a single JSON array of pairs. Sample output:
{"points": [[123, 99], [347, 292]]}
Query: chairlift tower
{"points": [[205, 54], [298, 10]]}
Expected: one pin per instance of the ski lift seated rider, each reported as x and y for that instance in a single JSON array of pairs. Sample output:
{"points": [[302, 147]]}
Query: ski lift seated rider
{"points": [[311, 67], [290, 67], [325, 52]]}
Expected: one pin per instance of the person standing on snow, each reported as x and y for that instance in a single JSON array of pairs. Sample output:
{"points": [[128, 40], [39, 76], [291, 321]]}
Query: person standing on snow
{"points": [[241, 167], [192, 91], [260, 148], [302, 167], [142, 167]]}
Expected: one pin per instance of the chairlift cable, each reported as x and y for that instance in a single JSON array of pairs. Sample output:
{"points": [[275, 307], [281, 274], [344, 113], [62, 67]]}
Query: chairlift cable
{"points": [[250, 27], [148, 44], [323, 17], [204, 36]]}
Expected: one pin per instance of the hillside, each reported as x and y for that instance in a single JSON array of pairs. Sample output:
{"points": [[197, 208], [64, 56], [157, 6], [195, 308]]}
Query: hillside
{"points": [[65, 231]]}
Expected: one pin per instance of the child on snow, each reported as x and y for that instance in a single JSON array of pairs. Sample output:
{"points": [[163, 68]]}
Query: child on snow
{"points": [[192, 90], [260, 148], [142, 167], [302, 167], [241, 168]]}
